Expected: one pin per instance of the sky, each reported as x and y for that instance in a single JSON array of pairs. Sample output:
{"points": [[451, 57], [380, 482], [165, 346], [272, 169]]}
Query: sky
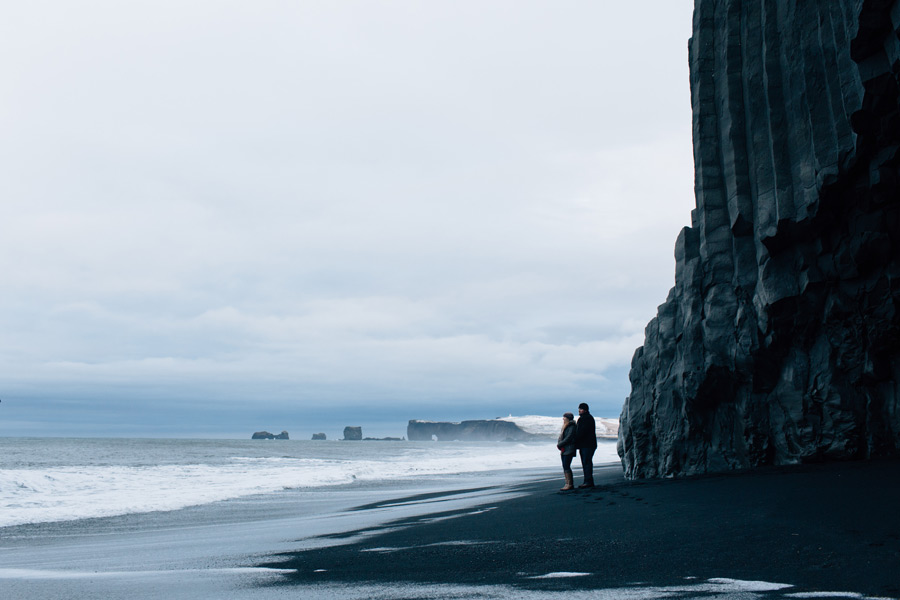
{"points": [[222, 217]]}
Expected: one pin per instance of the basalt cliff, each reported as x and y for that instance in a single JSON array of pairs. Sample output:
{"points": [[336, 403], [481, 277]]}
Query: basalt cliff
{"points": [[780, 342]]}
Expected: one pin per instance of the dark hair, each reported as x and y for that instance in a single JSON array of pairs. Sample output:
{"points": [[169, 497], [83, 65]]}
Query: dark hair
{"points": [[569, 416], [584, 406]]}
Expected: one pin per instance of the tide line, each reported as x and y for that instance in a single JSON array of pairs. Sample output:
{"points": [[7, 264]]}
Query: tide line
{"points": [[65, 574]]}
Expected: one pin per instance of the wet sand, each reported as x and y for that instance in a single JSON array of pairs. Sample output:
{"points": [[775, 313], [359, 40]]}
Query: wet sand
{"points": [[812, 528], [213, 551]]}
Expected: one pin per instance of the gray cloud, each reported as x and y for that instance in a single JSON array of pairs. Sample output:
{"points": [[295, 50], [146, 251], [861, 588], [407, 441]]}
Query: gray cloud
{"points": [[469, 202]]}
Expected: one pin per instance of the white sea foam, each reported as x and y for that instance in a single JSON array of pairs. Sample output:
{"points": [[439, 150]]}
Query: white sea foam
{"points": [[720, 590], [71, 574], [850, 595], [77, 491]]}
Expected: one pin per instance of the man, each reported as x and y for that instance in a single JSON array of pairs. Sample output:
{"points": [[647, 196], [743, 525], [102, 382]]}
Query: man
{"points": [[586, 443]]}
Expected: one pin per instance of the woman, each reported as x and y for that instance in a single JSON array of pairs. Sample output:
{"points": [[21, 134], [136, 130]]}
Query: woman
{"points": [[566, 444]]}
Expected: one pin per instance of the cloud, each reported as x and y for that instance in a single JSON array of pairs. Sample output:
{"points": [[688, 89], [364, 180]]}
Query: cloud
{"points": [[452, 200]]}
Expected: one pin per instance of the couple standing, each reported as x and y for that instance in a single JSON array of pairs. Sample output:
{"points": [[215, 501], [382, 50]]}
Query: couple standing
{"points": [[583, 437]]}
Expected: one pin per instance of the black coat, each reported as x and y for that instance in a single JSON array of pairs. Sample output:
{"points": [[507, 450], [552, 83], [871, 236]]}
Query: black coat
{"points": [[566, 440], [586, 432]]}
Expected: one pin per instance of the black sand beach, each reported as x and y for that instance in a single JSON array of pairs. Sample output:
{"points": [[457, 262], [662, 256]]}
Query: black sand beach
{"points": [[825, 528], [776, 533]]}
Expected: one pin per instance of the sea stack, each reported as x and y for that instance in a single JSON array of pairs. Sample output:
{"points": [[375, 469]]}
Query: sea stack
{"points": [[353, 433], [780, 342]]}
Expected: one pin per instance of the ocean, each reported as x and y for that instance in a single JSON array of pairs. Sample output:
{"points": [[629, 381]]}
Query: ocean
{"points": [[46, 480]]}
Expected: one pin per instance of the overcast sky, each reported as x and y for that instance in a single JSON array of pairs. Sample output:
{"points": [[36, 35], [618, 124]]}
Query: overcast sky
{"points": [[220, 217]]}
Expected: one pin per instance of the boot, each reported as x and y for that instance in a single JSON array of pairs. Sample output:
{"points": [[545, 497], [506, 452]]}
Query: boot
{"points": [[586, 484], [570, 482]]}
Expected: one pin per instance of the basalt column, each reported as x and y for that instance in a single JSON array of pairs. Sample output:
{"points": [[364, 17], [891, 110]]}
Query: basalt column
{"points": [[780, 342]]}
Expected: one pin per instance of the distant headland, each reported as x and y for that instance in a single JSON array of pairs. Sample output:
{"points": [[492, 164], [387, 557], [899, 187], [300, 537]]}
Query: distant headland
{"points": [[501, 429], [265, 435]]}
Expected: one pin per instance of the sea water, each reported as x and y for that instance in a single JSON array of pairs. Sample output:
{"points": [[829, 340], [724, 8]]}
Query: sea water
{"points": [[54, 479]]}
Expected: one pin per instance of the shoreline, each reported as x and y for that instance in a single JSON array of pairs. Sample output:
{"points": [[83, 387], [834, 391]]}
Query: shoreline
{"points": [[210, 551], [39, 485], [812, 528]]}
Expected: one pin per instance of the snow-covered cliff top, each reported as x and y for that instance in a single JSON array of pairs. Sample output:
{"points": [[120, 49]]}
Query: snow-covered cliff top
{"points": [[606, 428]]}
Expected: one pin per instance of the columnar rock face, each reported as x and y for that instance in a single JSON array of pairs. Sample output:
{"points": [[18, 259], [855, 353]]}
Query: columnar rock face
{"points": [[466, 431], [780, 342]]}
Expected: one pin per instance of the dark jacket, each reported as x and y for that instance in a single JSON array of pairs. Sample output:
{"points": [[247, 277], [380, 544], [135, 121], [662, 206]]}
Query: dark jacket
{"points": [[566, 440], [586, 432]]}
